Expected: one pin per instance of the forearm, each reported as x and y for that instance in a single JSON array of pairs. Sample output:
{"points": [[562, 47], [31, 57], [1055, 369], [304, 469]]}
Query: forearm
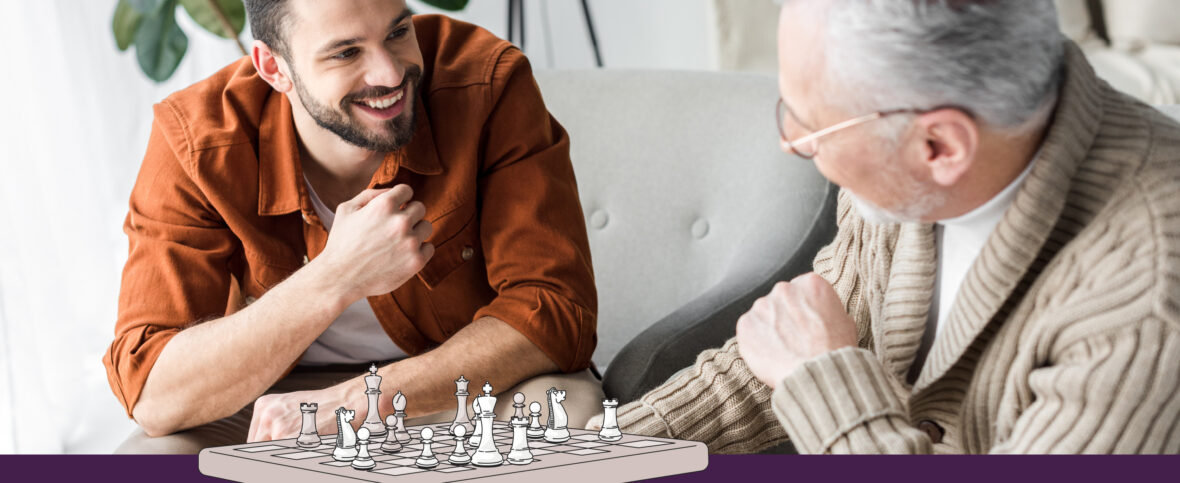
{"points": [[488, 349], [717, 401], [213, 369]]}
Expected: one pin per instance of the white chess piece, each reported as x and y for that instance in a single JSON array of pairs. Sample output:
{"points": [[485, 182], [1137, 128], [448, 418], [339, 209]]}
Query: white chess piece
{"points": [[373, 418], [345, 436], [308, 436], [557, 431], [391, 444], [487, 454], [399, 412], [476, 433], [363, 461], [536, 431], [426, 459], [459, 457], [518, 404], [520, 454], [461, 418], [610, 423]]}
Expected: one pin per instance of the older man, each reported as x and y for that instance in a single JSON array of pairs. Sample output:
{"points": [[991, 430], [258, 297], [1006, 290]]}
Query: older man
{"points": [[1006, 275]]}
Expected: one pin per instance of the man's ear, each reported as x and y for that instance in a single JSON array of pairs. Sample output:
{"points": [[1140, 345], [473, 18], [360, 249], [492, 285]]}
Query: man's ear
{"points": [[952, 140], [267, 65]]}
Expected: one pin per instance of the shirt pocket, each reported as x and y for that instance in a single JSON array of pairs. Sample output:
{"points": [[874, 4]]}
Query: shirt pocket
{"points": [[456, 242], [456, 276], [260, 277]]}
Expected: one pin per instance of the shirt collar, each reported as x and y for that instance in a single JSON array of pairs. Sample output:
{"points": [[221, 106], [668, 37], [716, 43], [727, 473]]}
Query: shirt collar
{"points": [[280, 187]]}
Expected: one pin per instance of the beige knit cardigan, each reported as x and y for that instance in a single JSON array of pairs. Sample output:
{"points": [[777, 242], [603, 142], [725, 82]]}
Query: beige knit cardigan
{"points": [[1064, 337]]}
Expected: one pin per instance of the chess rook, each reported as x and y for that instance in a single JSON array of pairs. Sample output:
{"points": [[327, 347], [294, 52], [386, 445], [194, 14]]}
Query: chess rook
{"points": [[373, 393], [391, 444], [557, 431], [459, 457], [363, 461], [610, 423], [535, 431], [427, 459], [461, 418], [308, 436], [487, 454], [520, 454]]}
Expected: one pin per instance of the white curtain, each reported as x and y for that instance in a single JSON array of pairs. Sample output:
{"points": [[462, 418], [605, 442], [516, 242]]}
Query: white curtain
{"points": [[76, 116]]}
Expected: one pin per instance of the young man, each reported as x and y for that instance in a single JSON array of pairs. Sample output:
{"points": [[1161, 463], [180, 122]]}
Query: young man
{"points": [[1006, 275], [366, 186]]}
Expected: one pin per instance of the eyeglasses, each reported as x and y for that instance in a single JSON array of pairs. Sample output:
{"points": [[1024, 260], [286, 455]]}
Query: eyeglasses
{"points": [[808, 146]]}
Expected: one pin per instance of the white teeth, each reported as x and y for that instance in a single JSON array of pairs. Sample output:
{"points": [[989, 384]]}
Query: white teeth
{"points": [[385, 103]]}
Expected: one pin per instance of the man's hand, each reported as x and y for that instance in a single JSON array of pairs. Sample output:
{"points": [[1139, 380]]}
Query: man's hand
{"points": [[277, 416], [797, 321], [378, 241], [595, 423]]}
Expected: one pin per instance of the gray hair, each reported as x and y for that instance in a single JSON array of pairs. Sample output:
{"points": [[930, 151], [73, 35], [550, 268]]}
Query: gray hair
{"points": [[1000, 60]]}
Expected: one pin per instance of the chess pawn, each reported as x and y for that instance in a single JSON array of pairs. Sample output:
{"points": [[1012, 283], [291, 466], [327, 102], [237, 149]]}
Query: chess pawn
{"points": [[518, 405], [520, 454], [373, 392], [610, 423], [363, 461], [308, 436], [426, 459], [535, 431], [399, 412], [391, 445], [476, 433], [459, 457]]}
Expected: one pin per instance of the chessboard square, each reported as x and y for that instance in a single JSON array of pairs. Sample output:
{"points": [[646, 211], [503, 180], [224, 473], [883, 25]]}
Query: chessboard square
{"points": [[302, 455], [408, 454], [586, 451], [586, 437], [401, 461], [644, 443], [337, 463], [399, 470], [384, 458], [588, 444], [452, 469], [539, 452], [268, 447], [540, 444]]}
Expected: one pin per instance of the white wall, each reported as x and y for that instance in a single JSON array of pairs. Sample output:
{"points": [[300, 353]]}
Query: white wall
{"points": [[74, 120]]}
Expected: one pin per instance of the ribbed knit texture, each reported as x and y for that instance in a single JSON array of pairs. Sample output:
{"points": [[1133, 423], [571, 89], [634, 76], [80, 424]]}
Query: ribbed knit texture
{"points": [[1064, 337]]}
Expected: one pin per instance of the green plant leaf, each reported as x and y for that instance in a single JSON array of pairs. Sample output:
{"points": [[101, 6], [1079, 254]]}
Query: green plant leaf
{"points": [[159, 42], [124, 24], [145, 6], [452, 5], [202, 12]]}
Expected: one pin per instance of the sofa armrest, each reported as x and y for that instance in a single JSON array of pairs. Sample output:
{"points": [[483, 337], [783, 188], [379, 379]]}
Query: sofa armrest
{"points": [[707, 321]]}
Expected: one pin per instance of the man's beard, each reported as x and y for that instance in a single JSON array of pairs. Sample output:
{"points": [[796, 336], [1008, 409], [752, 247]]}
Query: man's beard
{"points": [[342, 122]]}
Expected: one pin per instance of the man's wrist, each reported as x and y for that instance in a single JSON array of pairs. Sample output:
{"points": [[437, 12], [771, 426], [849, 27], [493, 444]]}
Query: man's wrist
{"points": [[323, 279]]}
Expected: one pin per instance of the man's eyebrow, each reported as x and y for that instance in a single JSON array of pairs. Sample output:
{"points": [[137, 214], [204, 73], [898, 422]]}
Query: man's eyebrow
{"points": [[349, 41]]}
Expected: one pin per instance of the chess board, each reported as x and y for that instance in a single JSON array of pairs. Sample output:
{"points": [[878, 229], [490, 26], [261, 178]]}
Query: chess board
{"points": [[583, 458]]}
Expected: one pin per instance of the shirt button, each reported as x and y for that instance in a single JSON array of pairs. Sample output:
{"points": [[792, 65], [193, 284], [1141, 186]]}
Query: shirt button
{"points": [[468, 252], [250, 300], [932, 429], [306, 219], [305, 260]]}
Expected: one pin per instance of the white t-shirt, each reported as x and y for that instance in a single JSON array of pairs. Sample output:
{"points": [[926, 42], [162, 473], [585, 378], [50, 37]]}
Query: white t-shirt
{"points": [[356, 336], [959, 241]]}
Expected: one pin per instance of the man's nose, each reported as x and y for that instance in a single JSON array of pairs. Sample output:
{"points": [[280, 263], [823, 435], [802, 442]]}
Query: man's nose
{"points": [[384, 70]]}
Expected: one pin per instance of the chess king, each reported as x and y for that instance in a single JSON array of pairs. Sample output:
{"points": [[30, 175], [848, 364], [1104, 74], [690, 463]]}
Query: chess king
{"points": [[365, 185]]}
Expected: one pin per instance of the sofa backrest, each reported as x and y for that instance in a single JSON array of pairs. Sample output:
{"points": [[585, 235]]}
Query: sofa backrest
{"points": [[681, 181]]}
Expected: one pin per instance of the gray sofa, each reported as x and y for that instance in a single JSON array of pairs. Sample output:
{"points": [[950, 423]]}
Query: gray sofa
{"points": [[693, 211]]}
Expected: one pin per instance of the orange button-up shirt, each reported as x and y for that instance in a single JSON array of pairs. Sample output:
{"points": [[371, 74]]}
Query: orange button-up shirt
{"points": [[220, 200]]}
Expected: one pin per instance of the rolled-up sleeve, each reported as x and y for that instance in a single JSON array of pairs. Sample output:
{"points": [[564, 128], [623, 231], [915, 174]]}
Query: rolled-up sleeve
{"points": [[176, 271], [532, 227]]}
